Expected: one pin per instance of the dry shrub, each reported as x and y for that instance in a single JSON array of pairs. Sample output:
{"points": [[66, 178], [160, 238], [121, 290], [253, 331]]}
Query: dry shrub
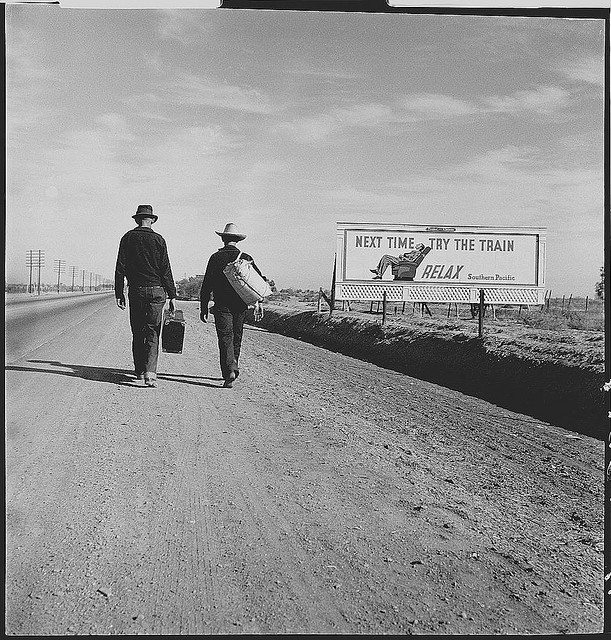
{"points": [[561, 320]]}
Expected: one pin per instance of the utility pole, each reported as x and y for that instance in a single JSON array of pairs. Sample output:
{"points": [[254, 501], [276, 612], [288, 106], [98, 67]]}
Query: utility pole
{"points": [[90, 276], [41, 264], [59, 268], [32, 259], [29, 261], [83, 289], [73, 272]]}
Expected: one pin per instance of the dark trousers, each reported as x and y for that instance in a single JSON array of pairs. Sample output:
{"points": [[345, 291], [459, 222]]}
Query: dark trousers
{"points": [[229, 330], [385, 262], [145, 315]]}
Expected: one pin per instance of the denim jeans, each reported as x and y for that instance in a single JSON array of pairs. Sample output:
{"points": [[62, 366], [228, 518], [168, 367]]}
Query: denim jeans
{"points": [[229, 329], [145, 315]]}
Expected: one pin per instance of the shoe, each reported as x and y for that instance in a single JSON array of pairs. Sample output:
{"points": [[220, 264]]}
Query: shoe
{"points": [[150, 380], [377, 277], [229, 381], [139, 376], [374, 271]]}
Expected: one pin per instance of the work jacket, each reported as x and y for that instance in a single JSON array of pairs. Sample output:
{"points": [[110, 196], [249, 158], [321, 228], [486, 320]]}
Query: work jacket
{"points": [[143, 260]]}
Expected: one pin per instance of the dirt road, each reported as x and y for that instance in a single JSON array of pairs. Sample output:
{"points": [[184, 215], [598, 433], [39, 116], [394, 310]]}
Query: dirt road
{"points": [[320, 495]]}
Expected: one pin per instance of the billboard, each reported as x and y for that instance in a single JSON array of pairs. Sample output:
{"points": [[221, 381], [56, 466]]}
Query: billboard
{"points": [[440, 256]]}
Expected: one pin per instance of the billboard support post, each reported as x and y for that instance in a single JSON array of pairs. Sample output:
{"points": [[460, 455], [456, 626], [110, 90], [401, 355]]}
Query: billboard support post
{"points": [[383, 307], [332, 305], [480, 332]]}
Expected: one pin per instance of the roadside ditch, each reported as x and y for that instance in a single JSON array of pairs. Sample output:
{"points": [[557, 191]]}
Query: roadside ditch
{"points": [[546, 384]]}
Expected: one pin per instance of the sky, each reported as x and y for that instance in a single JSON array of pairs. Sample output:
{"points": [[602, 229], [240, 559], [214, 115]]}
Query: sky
{"points": [[287, 122]]}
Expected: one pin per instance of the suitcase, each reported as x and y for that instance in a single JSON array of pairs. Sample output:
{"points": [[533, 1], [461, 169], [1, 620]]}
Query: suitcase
{"points": [[173, 331]]}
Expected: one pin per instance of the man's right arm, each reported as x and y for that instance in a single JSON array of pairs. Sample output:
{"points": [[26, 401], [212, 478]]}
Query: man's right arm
{"points": [[205, 291], [120, 275]]}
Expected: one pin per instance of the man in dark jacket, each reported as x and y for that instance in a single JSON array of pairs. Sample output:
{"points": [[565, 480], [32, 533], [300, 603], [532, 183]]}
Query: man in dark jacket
{"points": [[143, 260], [229, 309]]}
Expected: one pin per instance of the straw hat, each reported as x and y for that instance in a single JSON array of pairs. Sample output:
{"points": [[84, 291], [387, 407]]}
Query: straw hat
{"points": [[231, 230]]}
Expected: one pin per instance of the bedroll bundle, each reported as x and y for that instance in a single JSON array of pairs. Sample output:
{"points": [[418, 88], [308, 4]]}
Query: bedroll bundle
{"points": [[248, 284]]}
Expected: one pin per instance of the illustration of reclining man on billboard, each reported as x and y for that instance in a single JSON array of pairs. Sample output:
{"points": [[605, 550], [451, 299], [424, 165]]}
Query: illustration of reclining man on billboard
{"points": [[404, 266]]}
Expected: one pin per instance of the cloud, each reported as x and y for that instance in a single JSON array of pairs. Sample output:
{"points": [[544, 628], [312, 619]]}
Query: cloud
{"points": [[500, 163], [25, 61], [324, 74], [428, 106], [590, 70], [206, 91], [198, 91], [184, 163], [523, 182], [28, 76], [174, 24], [541, 100], [116, 126], [144, 105], [422, 107], [364, 115], [509, 185]]}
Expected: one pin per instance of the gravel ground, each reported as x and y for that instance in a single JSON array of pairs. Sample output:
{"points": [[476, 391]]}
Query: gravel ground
{"points": [[322, 494]]}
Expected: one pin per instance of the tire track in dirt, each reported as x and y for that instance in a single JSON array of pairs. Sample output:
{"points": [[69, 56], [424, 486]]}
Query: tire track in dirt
{"points": [[187, 594], [299, 591]]}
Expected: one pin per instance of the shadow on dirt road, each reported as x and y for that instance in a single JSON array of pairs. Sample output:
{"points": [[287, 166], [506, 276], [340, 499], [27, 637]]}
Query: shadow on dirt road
{"points": [[121, 377]]}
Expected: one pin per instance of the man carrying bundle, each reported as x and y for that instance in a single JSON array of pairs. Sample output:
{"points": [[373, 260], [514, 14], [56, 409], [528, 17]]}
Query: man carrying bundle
{"points": [[229, 309]]}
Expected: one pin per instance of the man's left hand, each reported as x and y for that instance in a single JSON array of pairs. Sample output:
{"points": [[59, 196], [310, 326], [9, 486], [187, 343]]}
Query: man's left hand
{"points": [[120, 303], [171, 306]]}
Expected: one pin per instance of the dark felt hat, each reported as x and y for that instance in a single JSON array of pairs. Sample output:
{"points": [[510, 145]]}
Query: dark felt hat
{"points": [[145, 211]]}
